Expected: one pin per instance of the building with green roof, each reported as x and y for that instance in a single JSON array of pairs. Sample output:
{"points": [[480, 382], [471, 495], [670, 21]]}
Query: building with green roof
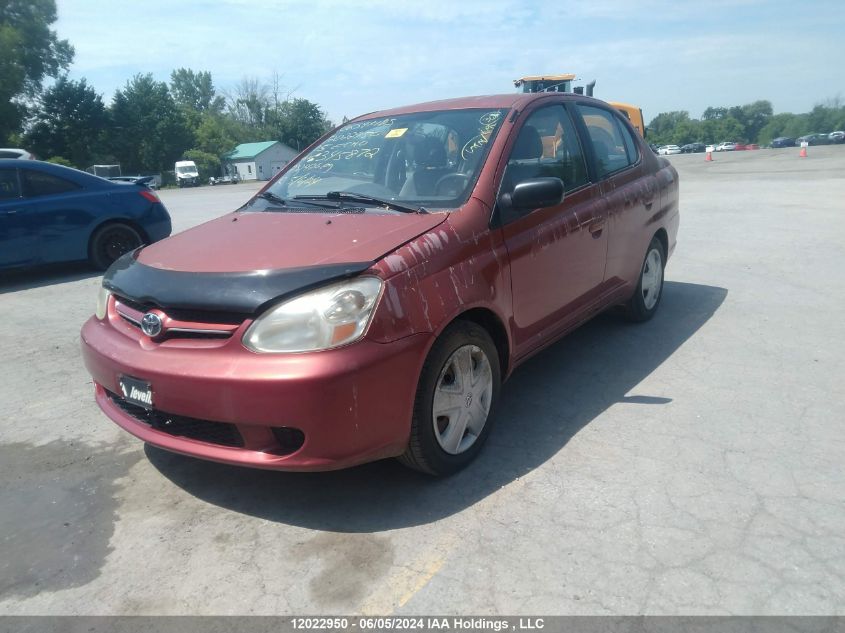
{"points": [[258, 161]]}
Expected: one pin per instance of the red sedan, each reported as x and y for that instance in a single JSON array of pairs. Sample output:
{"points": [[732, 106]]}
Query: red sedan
{"points": [[371, 299]]}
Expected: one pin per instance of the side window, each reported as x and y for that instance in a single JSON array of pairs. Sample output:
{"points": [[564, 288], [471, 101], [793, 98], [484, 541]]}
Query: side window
{"points": [[36, 183], [609, 146], [9, 188], [547, 145], [630, 144]]}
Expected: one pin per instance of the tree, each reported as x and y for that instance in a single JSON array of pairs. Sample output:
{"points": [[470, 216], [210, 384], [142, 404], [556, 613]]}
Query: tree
{"points": [[775, 127], [69, 121], [752, 117], [60, 160], [714, 114], [729, 129], [663, 125], [207, 164], [195, 91], [148, 132], [218, 135], [29, 51], [249, 102], [686, 131], [300, 123]]}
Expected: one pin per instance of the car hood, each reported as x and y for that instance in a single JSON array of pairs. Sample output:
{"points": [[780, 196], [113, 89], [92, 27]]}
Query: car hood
{"points": [[243, 262], [261, 241]]}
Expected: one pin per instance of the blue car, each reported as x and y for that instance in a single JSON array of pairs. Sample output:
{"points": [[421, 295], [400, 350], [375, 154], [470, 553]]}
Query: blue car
{"points": [[50, 213]]}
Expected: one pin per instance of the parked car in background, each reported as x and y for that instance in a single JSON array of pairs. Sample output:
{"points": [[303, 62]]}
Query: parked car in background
{"points": [[814, 139], [666, 150], [654, 148], [726, 146], [837, 137], [783, 141], [50, 213], [12, 152], [693, 148], [368, 304]]}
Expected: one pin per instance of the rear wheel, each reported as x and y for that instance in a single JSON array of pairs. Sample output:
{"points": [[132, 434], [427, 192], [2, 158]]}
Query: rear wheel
{"points": [[642, 306], [110, 242], [456, 396]]}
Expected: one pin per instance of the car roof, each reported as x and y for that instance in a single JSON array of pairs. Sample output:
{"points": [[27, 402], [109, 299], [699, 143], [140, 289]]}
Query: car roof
{"points": [[513, 100], [60, 171]]}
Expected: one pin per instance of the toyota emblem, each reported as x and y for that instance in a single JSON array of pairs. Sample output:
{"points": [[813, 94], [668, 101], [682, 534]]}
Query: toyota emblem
{"points": [[151, 324]]}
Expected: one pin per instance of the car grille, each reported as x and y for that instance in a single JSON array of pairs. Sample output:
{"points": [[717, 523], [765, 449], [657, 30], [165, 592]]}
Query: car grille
{"points": [[220, 433], [181, 323]]}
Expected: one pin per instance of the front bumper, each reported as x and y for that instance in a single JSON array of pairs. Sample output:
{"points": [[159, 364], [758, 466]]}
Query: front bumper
{"points": [[353, 404]]}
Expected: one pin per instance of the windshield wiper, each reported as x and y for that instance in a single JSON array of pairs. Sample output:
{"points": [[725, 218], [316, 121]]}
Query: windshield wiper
{"points": [[272, 197], [363, 198]]}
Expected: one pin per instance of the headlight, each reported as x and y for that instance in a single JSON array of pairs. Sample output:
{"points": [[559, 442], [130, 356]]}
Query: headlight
{"points": [[102, 303], [321, 319]]}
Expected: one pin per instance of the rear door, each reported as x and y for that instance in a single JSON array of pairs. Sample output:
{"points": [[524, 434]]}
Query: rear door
{"points": [[631, 192], [557, 254]]}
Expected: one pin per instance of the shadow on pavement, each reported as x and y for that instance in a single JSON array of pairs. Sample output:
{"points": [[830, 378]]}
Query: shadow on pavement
{"points": [[545, 403], [15, 280]]}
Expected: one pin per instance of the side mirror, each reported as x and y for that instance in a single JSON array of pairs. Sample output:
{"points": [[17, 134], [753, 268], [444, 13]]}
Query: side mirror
{"points": [[534, 194]]}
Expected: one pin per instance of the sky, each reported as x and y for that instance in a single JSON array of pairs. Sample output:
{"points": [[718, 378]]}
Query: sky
{"points": [[356, 57]]}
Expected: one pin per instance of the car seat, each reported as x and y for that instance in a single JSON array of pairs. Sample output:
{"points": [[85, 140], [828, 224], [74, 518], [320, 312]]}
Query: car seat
{"points": [[431, 164]]}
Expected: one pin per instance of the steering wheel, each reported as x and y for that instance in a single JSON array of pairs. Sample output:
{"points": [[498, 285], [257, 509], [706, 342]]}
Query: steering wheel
{"points": [[460, 180]]}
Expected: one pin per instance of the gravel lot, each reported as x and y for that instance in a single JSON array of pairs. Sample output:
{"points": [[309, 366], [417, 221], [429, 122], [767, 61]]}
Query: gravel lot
{"points": [[690, 465]]}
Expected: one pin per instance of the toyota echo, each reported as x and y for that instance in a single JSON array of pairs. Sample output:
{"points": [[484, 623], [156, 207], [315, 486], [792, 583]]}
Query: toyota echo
{"points": [[370, 300]]}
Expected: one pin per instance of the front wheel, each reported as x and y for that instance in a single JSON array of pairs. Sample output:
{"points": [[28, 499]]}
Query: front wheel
{"points": [[642, 306], [110, 242], [456, 396]]}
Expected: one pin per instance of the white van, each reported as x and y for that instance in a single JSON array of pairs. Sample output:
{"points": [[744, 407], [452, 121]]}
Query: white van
{"points": [[187, 174]]}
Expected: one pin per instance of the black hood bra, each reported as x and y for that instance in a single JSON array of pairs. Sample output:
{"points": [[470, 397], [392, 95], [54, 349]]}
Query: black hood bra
{"points": [[237, 292]]}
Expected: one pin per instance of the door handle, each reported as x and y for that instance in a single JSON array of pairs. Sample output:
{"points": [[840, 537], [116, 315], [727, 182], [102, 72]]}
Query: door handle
{"points": [[596, 228], [648, 205], [12, 211]]}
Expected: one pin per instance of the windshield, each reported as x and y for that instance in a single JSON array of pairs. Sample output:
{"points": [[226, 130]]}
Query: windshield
{"points": [[429, 159], [186, 170]]}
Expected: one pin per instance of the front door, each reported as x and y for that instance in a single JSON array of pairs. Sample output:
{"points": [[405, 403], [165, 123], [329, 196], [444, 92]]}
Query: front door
{"points": [[557, 254]]}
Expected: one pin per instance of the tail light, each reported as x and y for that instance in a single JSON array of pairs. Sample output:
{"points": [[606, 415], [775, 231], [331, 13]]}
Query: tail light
{"points": [[149, 195]]}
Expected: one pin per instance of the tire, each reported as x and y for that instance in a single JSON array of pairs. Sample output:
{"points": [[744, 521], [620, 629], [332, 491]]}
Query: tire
{"points": [[110, 242], [644, 303], [443, 444]]}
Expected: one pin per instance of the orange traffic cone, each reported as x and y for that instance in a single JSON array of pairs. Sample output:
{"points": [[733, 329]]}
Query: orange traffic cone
{"points": [[803, 152], [709, 156]]}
